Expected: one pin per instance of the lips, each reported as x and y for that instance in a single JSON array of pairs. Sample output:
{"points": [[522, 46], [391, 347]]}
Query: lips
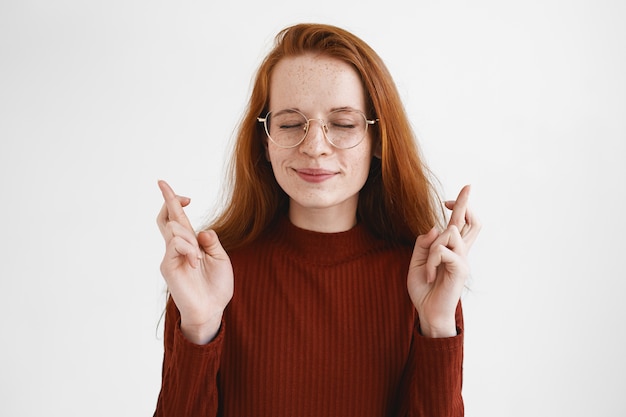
{"points": [[315, 175]]}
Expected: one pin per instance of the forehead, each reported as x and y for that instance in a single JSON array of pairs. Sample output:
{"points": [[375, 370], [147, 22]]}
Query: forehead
{"points": [[315, 83]]}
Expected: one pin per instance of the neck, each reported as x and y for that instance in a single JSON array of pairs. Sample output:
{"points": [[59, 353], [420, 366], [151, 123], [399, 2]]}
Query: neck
{"points": [[323, 220]]}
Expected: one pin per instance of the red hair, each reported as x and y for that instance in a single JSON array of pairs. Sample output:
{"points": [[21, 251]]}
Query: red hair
{"points": [[398, 201]]}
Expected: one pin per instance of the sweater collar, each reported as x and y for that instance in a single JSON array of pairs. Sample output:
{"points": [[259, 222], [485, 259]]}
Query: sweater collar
{"points": [[324, 248]]}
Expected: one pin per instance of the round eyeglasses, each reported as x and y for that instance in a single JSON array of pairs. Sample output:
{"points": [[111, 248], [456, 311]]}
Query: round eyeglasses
{"points": [[343, 128]]}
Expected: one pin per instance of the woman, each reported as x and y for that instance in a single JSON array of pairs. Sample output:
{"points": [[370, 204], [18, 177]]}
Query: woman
{"points": [[328, 285]]}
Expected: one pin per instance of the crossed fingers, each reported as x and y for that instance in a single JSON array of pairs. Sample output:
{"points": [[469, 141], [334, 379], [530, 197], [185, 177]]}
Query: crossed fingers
{"points": [[172, 209], [463, 218], [175, 226]]}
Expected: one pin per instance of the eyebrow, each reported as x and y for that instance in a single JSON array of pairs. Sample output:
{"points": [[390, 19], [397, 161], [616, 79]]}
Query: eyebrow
{"points": [[296, 109], [292, 110]]}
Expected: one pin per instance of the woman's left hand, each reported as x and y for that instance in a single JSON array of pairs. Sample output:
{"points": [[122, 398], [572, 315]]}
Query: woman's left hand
{"points": [[439, 269]]}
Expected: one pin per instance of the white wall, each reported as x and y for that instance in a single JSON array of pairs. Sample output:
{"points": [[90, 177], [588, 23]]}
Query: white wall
{"points": [[98, 100]]}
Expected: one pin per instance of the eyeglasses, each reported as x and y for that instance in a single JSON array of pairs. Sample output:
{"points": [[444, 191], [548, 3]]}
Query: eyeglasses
{"points": [[343, 128]]}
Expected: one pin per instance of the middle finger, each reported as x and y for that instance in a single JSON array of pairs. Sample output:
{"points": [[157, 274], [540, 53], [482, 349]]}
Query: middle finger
{"points": [[458, 217]]}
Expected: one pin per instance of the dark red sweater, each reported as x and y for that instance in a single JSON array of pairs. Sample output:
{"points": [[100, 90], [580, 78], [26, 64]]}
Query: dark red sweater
{"points": [[319, 325]]}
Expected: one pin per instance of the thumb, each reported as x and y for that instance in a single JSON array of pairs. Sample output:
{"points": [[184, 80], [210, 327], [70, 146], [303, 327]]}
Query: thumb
{"points": [[210, 244], [422, 246], [421, 253]]}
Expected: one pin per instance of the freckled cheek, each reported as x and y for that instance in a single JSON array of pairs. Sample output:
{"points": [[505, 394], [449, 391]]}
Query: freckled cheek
{"points": [[362, 166], [278, 162], [363, 172]]}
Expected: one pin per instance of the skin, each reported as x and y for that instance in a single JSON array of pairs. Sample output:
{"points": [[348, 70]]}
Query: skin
{"points": [[439, 268], [322, 183], [197, 270]]}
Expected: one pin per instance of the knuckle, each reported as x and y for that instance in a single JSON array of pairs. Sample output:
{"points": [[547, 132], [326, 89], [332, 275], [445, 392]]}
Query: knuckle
{"points": [[178, 243], [454, 229], [163, 268], [437, 251]]}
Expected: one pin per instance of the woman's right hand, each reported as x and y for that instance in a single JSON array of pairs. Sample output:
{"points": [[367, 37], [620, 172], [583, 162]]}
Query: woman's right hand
{"points": [[196, 268]]}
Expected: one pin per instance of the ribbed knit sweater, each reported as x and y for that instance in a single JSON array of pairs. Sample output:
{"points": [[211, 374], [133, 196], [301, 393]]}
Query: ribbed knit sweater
{"points": [[320, 324]]}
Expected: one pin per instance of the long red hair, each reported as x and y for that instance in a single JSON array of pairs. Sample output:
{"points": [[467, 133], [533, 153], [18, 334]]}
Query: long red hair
{"points": [[398, 201]]}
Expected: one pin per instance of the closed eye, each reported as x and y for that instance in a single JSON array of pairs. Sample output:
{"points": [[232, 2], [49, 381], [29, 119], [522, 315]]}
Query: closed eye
{"points": [[293, 125], [343, 124]]}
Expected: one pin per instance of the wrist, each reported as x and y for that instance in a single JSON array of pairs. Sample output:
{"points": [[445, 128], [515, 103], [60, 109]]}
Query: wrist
{"points": [[201, 334], [440, 330]]}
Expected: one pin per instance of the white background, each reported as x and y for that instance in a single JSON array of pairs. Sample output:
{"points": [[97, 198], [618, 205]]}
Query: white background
{"points": [[98, 100]]}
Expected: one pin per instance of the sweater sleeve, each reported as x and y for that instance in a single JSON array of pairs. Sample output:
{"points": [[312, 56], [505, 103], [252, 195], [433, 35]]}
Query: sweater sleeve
{"points": [[189, 376], [434, 375]]}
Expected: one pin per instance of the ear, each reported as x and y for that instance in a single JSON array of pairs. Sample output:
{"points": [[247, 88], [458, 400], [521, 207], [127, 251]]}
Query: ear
{"points": [[377, 152], [267, 151]]}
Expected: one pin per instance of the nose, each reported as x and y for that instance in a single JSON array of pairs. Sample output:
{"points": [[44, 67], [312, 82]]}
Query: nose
{"points": [[315, 142]]}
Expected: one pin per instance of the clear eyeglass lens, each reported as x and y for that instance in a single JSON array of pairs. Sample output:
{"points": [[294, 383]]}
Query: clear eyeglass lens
{"points": [[343, 128]]}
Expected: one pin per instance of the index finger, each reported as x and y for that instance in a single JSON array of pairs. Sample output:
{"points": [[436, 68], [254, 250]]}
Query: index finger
{"points": [[175, 210]]}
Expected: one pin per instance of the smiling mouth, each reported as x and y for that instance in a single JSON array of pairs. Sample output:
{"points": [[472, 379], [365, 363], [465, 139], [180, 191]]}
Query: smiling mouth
{"points": [[315, 175]]}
